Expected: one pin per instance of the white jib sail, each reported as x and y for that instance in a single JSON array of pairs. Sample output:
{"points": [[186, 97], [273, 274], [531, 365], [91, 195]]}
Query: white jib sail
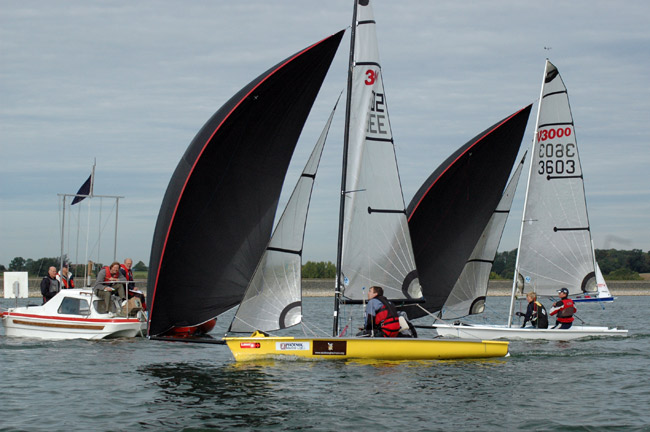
{"points": [[603, 291], [555, 243], [468, 295], [273, 298], [376, 241]]}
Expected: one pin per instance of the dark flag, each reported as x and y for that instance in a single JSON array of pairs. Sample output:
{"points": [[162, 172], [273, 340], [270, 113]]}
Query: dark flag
{"points": [[83, 190]]}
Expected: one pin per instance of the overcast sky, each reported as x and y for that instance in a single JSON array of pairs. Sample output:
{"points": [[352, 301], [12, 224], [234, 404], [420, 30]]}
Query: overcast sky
{"points": [[131, 83]]}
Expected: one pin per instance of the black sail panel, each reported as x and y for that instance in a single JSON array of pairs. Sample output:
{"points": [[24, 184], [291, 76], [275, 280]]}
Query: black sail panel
{"points": [[217, 214], [452, 207]]}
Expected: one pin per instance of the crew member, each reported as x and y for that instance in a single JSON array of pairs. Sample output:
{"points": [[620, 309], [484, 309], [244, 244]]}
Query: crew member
{"points": [[535, 313], [564, 309], [381, 315]]}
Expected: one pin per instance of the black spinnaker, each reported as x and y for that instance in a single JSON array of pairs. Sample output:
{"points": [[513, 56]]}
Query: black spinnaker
{"points": [[217, 214], [452, 207]]}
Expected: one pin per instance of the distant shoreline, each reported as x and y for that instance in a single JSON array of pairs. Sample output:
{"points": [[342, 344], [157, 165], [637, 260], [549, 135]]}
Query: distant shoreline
{"points": [[325, 287]]}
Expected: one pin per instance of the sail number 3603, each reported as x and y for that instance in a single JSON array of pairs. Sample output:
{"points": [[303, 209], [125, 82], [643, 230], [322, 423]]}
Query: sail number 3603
{"points": [[557, 158]]}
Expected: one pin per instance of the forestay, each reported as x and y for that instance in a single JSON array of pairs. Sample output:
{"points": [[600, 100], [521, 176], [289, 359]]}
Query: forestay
{"points": [[555, 244], [273, 299], [376, 241]]}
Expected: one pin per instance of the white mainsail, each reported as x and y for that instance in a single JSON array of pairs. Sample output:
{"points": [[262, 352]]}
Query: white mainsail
{"points": [[376, 241], [273, 298], [555, 242], [468, 295]]}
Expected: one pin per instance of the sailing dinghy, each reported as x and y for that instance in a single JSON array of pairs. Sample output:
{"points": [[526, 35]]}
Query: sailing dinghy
{"points": [[372, 217], [555, 248], [602, 294]]}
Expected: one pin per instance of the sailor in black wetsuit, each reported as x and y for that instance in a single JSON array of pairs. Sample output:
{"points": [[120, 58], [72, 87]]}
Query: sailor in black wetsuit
{"points": [[535, 313]]}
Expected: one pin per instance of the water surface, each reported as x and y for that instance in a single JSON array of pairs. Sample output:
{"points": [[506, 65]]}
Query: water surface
{"points": [[137, 384]]}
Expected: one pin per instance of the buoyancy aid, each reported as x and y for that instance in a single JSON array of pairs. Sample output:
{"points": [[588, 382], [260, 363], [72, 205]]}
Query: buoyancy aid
{"points": [[55, 286], [108, 276], [565, 312], [128, 274], [66, 281], [540, 318], [386, 318]]}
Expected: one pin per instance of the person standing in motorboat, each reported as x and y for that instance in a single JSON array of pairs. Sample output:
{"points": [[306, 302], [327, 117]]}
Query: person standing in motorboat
{"points": [[50, 286], [564, 308], [381, 316], [65, 277], [110, 281], [535, 313]]}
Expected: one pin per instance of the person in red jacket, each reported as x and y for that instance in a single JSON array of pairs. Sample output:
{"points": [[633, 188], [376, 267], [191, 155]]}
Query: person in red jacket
{"points": [[132, 291], [381, 316], [564, 309], [65, 277]]}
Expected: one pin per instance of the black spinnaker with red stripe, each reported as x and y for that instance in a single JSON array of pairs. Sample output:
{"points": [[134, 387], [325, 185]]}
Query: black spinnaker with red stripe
{"points": [[217, 214], [452, 207]]}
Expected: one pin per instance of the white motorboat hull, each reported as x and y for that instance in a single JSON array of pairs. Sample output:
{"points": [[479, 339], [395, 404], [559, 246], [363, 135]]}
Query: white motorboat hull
{"points": [[48, 321], [491, 332]]}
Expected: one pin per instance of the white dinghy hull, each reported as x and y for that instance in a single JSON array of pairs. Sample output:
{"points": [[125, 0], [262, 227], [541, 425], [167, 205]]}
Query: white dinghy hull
{"points": [[492, 332]]}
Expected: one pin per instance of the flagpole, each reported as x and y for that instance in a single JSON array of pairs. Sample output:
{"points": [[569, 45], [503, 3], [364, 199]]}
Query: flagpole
{"points": [[117, 208], [62, 234], [92, 179]]}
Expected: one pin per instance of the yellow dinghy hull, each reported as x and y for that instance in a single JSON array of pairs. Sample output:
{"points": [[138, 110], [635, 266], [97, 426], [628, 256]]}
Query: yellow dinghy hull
{"points": [[257, 347]]}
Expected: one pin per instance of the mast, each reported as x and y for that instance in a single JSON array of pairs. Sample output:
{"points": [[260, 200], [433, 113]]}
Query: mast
{"points": [[523, 218], [346, 139]]}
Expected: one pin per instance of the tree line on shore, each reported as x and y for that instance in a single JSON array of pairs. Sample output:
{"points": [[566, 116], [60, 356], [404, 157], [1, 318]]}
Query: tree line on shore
{"points": [[38, 267], [615, 265]]}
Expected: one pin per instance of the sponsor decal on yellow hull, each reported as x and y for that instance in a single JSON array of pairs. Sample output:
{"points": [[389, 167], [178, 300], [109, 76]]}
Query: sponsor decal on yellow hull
{"points": [[260, 347]]}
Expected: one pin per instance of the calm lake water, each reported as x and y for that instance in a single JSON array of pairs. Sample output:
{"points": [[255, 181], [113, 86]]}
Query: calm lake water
{"points": [[137, 384]]}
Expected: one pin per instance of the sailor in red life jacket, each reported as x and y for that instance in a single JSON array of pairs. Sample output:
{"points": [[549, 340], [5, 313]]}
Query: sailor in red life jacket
{"points": [[65, 277], [564, 309], [132, 291], [110, 281], [381, 316]]}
